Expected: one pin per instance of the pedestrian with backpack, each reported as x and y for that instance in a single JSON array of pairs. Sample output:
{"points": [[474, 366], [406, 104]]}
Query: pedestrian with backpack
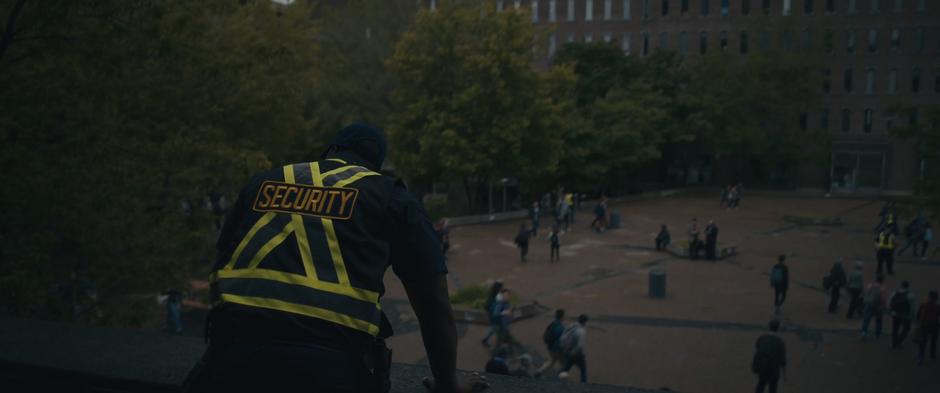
{"points": [[902, 311], [836, 281], [874, 306], [780, 281], [572, 344], [552, 339], [522, 241], [770, 359], [855, 285]]}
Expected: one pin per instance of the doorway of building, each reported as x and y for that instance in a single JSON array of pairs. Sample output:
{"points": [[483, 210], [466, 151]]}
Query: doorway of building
{"points": [[857, 171]]}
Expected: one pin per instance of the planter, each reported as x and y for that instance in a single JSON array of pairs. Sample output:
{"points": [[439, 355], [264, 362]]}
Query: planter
{"points": [[722, 252], [820, 221]]}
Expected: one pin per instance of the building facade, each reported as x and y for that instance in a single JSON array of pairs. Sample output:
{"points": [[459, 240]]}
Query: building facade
{"points": [[878, 55]]}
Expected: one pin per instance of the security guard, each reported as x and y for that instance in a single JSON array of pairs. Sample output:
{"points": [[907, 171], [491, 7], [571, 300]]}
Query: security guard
{"points": [[296, 288], [884, 246]]}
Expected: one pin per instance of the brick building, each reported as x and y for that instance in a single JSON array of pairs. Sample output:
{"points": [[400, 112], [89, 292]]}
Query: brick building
{"points": [[878, 54]]}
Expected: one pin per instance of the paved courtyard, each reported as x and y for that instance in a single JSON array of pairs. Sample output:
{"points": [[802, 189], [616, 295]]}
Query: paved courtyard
{"points": [[700, 338]]}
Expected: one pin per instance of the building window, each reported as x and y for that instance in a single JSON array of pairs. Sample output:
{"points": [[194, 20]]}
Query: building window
{"points": [[724, 7], [875, 6], [744, 42], [551, 11], [704, 7], [765, 6], [703, 43], [684, 7], [646, 9], [608, 9], [571, 37], [589, 10], [808, 7], [852, 8], [850, 41], [765, 40], [847, 80], [912, 121], [846, 120], [625, 43], [607, 37], [807, 39], [433, 5], [898, 5], [517, 4], [665, 8], [723, 40], [683, 43], [803, 121], [830, 6], [893, 81], [588, 38], [872, 40], [745, 7], [570, 10], [663, 40], [551, 45], [870, 81], [827, 41], [824, 119], [915, 80], [786, 7], [895, 39], [786, 40], [920, 40], [646, 43], [535, 11], [921, 6], [626, 9], [868, 119], [826, 85]]}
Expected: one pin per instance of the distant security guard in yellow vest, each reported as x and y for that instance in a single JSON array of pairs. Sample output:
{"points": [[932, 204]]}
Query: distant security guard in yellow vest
{"points": [[296, 288], [884, 250]]}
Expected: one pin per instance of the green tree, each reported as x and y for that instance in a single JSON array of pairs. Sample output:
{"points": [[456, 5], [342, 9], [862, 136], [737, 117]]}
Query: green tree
{"points": [[470, 106], [926, 135], [118, 118]]}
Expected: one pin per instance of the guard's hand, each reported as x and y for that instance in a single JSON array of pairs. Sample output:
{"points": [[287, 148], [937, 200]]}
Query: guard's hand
{"points": [[471, 383]]}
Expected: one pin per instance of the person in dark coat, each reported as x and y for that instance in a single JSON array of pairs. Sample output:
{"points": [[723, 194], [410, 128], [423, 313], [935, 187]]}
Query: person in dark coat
{"points": [[663, 238], [770, 360], [522, 240], [711, 240], [837, 280]]}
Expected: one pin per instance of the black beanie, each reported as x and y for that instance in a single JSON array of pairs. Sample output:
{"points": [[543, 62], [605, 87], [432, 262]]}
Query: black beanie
{"points": [[366, 141]]}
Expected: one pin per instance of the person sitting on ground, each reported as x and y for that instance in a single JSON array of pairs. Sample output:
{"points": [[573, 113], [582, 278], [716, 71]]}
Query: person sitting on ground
{"points": [[663, 238], [525, 363]]}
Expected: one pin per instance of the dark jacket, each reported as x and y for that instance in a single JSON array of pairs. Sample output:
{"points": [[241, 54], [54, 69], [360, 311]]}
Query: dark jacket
{"points": [[837, 276], [770, 355]]}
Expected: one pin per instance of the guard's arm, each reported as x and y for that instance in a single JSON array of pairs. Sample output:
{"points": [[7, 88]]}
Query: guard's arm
{"points": [[429, 298]]}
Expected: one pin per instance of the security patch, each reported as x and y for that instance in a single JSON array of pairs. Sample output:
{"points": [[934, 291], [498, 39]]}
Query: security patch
{"points": [[335, 203]]}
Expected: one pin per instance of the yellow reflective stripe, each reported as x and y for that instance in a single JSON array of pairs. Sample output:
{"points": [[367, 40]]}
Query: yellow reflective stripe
{"points": [[296, 279], [264, 220], [354, 178], [335, 252], [337, 160], [301, 309], [300, 231], [315, 174], [338, 170], [270, 245]]}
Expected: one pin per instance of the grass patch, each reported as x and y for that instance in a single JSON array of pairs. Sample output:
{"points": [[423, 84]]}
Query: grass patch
{"points": [[474, 296]]}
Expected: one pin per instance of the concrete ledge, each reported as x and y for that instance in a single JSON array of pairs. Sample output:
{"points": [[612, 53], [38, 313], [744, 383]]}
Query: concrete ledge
{"points": [[63, 357]]}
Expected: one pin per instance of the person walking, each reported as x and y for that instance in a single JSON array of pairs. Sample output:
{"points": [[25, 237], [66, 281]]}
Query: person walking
{"points": [[902, 311], [522, 241], [569, 199], [770, 359], [600, 215], [500, 315], [562, 215], [855, 285], [874, 306], [174, 303], [534, 216], [928, 326], [554, 245], [552, 339], [662, 238], [780, 281], [913, 234], [837, 280], [711, 240], [884, 251], [572, 343]]}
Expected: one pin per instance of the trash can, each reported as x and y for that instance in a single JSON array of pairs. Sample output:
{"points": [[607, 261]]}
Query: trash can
{"points": [[615, 220], [657, 283]]}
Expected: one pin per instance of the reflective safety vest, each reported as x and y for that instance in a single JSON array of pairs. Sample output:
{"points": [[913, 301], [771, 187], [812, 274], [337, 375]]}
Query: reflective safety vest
{"points": [[885, 241], [314, 242]]}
